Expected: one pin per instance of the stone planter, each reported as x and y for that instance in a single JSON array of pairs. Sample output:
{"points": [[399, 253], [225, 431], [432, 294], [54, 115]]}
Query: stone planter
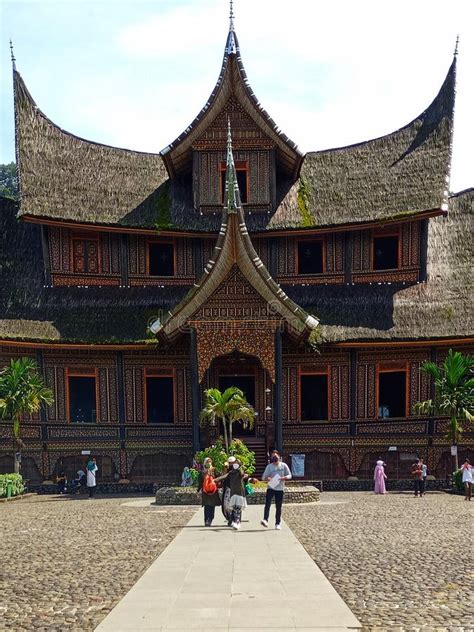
{"points": [[189, 495]]}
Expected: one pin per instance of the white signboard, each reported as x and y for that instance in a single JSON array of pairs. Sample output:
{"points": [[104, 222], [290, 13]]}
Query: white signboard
{"points": [[297, 464], [85, 452], [454, 450], [392, 448]]}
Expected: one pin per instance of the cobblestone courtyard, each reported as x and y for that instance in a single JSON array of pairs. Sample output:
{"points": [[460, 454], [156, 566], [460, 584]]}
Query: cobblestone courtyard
{"points": [[68, 561], [400, 563]]}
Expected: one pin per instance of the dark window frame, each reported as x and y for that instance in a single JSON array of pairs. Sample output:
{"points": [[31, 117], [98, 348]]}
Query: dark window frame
{"points": [[382, 235], [241, 166], [320, 240], [151, 242], [157, 373], [305, 373], [82, 373], [399, 368]]}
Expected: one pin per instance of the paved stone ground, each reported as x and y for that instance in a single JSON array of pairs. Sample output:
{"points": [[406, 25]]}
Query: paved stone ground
{"points": [[67, 562], [400, 563]]}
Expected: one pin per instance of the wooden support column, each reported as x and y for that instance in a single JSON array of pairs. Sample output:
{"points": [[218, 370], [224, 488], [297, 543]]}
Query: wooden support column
{"points": [[124, 260], [121, 396], [42, 412], [348, 249], [423, 275], [45, 251], [278, 390], [195, 391], [353, 392], [433, 358]]}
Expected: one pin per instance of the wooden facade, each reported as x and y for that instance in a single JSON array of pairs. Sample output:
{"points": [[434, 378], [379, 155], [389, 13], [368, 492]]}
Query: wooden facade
{"points": [[100, 272]]}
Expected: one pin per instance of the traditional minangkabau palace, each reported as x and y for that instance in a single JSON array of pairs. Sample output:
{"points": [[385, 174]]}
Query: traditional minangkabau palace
{"points": [[318, 283]]}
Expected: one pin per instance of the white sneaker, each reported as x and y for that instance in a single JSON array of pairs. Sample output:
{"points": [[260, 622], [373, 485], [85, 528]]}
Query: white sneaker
{"points": [[264, 523], [278, 526], [236, 526]]}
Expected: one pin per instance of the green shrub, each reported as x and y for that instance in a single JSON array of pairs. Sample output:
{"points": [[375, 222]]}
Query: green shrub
{"points": [[18, 486], [457, 480], [219, 456]]}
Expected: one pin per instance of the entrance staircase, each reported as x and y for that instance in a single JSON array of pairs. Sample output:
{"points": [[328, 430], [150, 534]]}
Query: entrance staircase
{"points": [[258, 446]]}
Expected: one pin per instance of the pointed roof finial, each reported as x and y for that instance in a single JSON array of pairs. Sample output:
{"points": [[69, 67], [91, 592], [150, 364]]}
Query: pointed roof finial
{"points": [[231, 197], [12, 54], [231, 16], [456, 47]]}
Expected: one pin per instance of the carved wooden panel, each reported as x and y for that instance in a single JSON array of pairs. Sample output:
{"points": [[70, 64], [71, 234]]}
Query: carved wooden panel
{"points": [[365, 386], [245, 132], [84, 257]]}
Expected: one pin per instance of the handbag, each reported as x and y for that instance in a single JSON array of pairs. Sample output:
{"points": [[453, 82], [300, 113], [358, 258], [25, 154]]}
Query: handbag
{"points": [[249, 490], [209, 486]]}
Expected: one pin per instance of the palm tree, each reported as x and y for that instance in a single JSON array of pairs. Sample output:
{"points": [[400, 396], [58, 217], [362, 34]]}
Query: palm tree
{"points": [[22, 391], [227, 407], [454, 392]]}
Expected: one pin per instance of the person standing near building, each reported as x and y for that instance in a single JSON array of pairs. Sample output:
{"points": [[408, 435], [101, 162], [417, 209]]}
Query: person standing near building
{"points": [[424, 475], [91, 476], [467, 478], [276, 473], [379, 478], [208, 488], [417, 472]]}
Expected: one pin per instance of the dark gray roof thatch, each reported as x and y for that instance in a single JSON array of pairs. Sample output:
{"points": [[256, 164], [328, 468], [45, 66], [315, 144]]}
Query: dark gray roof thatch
{"points": [[443, 307], [30, 311], [64, 177]]}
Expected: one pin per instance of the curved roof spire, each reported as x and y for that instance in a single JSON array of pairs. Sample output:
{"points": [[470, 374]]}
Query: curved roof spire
{"points": [[231, 16], [12, 55], [232, 82]]}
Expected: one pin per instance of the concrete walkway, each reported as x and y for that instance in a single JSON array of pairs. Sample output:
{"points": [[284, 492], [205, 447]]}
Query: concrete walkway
{"points": [[218, 579]]}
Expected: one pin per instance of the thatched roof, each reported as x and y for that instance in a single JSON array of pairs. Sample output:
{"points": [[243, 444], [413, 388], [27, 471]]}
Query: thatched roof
{"points": [[397, 175], [442, 307], [66, 177], [234, 250], [232, 82], [63, 177]]}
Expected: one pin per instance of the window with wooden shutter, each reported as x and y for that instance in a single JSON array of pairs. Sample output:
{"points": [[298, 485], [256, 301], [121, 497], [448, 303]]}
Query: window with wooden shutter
{"points": [[85, 254]]}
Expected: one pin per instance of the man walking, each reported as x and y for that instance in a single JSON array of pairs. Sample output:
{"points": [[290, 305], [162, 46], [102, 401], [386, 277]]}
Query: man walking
{"points": [[276, 473]]}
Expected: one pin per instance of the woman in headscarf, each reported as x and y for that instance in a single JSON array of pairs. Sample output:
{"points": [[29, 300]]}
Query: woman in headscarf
{"points": [[225, 501], [209, 496], [379, 478], [235, 479], [91, 470]]}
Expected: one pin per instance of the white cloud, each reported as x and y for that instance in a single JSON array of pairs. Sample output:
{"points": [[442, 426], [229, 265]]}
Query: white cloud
{"points": [[329, 73]]}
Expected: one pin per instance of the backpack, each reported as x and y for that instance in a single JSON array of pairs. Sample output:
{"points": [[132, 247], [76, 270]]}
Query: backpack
{"points": [[208, 485]]}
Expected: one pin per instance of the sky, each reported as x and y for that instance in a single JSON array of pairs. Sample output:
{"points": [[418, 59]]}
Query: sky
{"points": [[134, 73]]}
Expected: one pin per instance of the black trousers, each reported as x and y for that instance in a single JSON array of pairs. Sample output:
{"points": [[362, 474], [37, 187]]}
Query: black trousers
{"points": [[91, 490], [278, 503], [418, 486], [209, 511]]}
